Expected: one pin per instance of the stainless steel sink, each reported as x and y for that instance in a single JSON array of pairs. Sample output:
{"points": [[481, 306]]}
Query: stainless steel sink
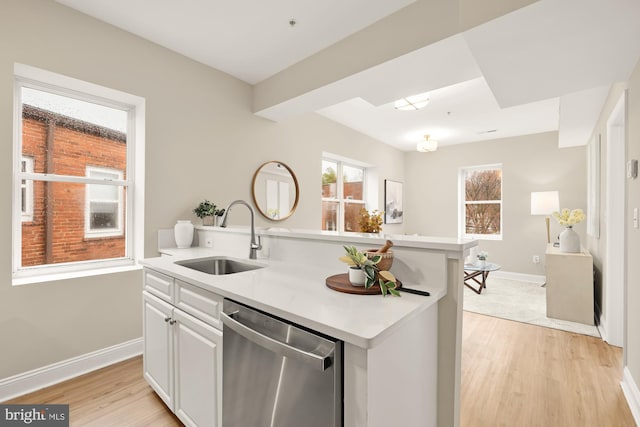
{"points": [[218, 265]]}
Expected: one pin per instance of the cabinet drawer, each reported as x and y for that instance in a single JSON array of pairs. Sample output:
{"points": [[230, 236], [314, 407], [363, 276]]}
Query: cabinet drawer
{"points": [[158, 284], [200, 303]]}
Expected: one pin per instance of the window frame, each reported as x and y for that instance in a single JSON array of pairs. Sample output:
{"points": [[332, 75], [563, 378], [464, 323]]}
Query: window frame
{"points": [[340, 199], [133, 226], [462, 202], [108, 232], [27, 185]]}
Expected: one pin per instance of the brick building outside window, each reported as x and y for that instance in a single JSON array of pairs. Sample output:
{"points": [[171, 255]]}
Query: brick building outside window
{"points": [[68, 221]]}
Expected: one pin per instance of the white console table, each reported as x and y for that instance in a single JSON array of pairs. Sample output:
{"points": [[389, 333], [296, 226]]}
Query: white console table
{"points": [[569, 285]]}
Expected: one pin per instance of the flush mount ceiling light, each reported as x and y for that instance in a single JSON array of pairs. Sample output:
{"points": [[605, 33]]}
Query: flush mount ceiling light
{"points": [[412, 103], [427, 145]]}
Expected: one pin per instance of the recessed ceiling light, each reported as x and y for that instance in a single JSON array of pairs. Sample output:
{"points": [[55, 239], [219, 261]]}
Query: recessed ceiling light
{"points": [[412, 103]]}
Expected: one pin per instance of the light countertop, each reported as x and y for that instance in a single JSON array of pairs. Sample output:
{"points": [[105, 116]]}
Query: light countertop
{"points": [[298, 293]]}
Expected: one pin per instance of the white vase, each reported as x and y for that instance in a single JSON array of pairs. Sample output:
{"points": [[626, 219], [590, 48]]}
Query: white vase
{"points": [[569, 241], [183, 232], [482, 263], [357, 276]]}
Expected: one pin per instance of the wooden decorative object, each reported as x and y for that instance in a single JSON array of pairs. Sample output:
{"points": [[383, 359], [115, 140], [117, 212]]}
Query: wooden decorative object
{"points": [[340, 283]]}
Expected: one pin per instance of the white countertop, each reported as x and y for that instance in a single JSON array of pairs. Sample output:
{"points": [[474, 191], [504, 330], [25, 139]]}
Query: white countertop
{"points": [[452, 244], [298, 293]]}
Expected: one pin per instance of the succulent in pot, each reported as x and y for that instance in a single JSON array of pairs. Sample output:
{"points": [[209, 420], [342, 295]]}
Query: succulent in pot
{"points": [[356, 259]]}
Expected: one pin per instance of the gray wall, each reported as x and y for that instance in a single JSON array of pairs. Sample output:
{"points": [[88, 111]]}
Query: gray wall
{"points": [[633, 235], [598, 246], [530, 163], [202, 142]]}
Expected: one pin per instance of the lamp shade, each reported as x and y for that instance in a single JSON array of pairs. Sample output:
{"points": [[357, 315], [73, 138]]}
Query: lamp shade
{"points": [[544, 202]]}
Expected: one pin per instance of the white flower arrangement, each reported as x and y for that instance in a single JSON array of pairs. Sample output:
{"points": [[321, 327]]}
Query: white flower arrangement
{"points": [[568, 217], [483, 255]]}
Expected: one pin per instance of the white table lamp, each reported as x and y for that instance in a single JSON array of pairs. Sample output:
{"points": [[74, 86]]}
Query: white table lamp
{"points": [[545, 203]]}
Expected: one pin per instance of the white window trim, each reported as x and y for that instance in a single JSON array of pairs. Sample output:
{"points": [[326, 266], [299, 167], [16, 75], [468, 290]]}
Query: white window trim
{"points": [[27, 76], [27, 216], [109, 232], [341, 162], [462, 203]]}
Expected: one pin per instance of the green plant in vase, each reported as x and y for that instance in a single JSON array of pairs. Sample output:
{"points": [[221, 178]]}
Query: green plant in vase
{"points": [[357, 259], [207, 211]]}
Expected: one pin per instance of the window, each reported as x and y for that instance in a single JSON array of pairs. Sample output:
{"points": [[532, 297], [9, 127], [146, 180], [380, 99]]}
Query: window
{"points": [[77, 191], [103, 211], [481, 202], [342, 195], [26, 190]]}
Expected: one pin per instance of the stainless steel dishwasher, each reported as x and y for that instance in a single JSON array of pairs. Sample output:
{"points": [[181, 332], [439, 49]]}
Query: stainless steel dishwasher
{"points": [[276, 373]]}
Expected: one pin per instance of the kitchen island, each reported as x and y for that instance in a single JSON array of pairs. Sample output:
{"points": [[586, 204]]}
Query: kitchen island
{"points": [[401, 362]]}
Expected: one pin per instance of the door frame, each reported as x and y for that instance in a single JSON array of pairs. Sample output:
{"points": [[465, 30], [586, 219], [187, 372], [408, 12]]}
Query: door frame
{"points": [[614, 307]]}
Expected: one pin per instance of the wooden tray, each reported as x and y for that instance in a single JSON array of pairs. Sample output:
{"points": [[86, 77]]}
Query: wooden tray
{"points": [[341, 283]]}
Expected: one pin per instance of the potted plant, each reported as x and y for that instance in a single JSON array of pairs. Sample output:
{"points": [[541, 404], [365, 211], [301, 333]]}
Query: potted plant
{"points": [[363, 270], [207, 211], [482, 258]]}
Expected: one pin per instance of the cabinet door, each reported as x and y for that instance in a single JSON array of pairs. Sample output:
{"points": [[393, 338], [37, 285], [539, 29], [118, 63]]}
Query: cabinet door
{"points": [[158, 346], [198, 371]]}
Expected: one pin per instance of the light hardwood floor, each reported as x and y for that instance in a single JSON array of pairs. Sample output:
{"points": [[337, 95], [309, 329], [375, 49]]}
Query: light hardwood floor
{"points": [[113, 396], [513, 375]]}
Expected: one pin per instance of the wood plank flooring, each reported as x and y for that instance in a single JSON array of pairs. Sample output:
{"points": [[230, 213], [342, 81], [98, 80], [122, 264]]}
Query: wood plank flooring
{"points": [[513, 375], [116, 395]]}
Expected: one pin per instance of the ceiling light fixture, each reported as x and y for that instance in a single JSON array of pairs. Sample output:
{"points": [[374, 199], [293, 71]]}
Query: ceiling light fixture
{"points": [[412, 103], [427, 145]]}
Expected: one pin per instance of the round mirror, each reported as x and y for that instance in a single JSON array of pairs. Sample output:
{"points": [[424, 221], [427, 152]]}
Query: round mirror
{"points": [[275, 190]]}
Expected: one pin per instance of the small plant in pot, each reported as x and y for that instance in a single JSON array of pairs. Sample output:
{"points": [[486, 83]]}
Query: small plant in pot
{"points": [[366, 267], [207, 211], [482, 258]]}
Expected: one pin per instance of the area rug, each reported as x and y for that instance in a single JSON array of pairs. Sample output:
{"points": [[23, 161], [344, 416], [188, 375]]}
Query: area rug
{"points": [[520, 301]]}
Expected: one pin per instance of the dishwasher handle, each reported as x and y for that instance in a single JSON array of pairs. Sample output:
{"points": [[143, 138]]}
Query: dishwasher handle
{"points": [[315, 360]]}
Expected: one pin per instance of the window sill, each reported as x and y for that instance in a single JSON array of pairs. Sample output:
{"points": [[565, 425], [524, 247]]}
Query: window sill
{"points": [[18, 281], [482, 237]]}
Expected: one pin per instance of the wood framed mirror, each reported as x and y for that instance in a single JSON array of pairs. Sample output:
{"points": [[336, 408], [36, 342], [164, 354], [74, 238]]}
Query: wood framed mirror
{"points": [[275, 190]]}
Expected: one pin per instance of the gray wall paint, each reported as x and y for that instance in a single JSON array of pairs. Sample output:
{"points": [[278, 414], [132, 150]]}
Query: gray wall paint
{"points": [[633, 234], [597, 247], [530, 163], [202, 142]]}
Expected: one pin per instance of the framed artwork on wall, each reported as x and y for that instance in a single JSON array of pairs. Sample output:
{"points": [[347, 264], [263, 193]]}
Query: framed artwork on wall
{"points": [[393, 208]]}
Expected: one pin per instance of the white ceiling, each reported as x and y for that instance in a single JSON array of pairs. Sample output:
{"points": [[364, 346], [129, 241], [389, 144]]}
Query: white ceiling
{"points": [[249, 39], [544, 67]]}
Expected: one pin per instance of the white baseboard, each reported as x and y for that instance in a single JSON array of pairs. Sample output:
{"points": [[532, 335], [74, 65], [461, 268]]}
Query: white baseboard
{"points": [[521, 277], [37, 379], [631, 393]]}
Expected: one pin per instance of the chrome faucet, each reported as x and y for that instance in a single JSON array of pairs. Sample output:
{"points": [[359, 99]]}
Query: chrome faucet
{"points": [[255, 245]]}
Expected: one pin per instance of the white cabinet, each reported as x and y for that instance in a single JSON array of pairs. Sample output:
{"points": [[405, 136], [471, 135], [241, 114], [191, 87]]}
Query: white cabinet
{"points": [[198, 371], [158, 345], [182, 352], [569, 285]]}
